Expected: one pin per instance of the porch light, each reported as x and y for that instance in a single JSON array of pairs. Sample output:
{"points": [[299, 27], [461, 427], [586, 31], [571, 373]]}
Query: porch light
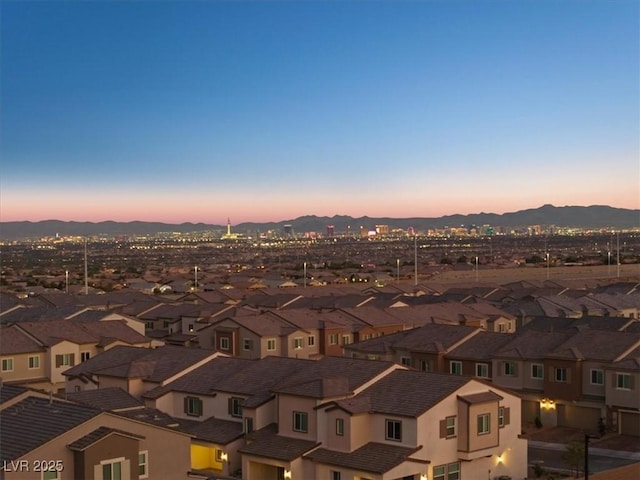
{"points": [[423, 476], [287, 474], [224, 457], [547, 404]]}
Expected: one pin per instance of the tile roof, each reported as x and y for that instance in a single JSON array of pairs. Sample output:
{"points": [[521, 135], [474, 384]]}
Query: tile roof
{"points": [[7, 392], [98, 434], [435, 338], [154, 365], [371, 457], [216, 430], [34, 421], [531, 345], [15, 341], [482, 397], [112, 398], [420, 392], [266, 443], [596, 345], [480, 346], [153, 416]]}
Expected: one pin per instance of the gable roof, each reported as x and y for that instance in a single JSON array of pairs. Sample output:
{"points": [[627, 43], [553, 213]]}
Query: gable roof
{"points": [[112, 398], [98, 434], [35, 421], [266, 443], [420, 392]]}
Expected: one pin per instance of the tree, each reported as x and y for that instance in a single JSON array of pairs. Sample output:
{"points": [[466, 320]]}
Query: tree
{"points": [[574, 456]]}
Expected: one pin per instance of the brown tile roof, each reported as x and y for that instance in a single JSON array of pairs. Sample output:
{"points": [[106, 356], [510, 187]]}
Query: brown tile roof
{"points": [[420, 392], [98, 434], [435, 338], [531, 345], [266, 443], [15, 341], [482, 397], [215, 430], [154, 365], [112, 398], [372, 457], [480, 346], [596, 345]]}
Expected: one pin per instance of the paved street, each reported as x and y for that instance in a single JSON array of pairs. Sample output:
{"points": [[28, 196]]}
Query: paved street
{"points": [[551, 457]]}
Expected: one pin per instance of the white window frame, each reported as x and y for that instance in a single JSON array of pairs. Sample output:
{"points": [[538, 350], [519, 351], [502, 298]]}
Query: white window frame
{"points": [[113, 461], [482, 370], [7, 364], [311, 341], [247, 344], [300, 422], [560, 374], [501, 417], [144, 464], [455, 367], [483, 424], [624, 385], [271, 344], [397, 430], [33, 362], [539, 367], [84, 356], [222, 341], [509, 369], [333, 339], [57, 473], [451, 426], [340, 427], [298, 343], [599, 373], [406, 361], [346, 339]]}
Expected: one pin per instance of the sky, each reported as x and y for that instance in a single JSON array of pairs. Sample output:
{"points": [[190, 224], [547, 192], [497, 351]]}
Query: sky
{"points": [[199, 111]]}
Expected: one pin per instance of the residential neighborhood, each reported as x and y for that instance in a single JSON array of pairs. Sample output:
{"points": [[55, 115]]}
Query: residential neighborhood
{"points": [[379, 383]]}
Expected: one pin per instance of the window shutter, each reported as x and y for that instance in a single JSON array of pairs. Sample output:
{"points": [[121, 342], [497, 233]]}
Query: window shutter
{"points": [[552, 376], [632, 381], [443, 428], [515, 369], [230, 405], [614, 380], [500, 368], [72, 359], [186, 404], [199, 406], [58, 360], [568, 371], [507, 415]]}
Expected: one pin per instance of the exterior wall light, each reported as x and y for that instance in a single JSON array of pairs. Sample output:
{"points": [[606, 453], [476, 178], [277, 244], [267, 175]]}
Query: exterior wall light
{"points": [[224, 457], [287, 474]]}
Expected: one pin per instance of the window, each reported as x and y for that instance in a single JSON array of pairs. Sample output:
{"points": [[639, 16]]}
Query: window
{"points": [[271, 344], [190, 327], [248, 425], [455, 367], [34, 362], [84, 356], [335, 475], [219, 455], [537, 371], [333, 339], [193, 406], [482, 370], [235, 407], [247, 344], [509, 369], [424, 365], [448, 427], [298, 342], [502, 328], [483, 423], [224, 343], [112, 469], [405, 361], [394, 430], [51, 475], [165, 324], [339, 426], [149, 325], [597, 377], [143, 464], [311, 340], [560, 374], [447, 472], [300, 422], [346, 339], [623, 381], [65, 360], [7, 364]]}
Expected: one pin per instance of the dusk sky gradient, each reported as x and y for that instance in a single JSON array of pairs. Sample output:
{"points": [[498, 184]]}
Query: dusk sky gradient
{"points": [[195, 111]]}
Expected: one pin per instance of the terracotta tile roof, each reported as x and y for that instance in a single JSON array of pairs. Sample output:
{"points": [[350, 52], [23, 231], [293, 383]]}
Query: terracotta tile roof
{"points": [[112, 398], [420, 392], [35, 421], [372, 457], [98, 434], [266, 443]]}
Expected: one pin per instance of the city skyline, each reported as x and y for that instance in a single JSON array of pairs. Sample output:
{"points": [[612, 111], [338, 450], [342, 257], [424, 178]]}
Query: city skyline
{"points": [[199, 111]]}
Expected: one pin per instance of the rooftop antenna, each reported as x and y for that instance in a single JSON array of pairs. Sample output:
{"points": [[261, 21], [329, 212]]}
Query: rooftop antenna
{"points": [[618, 252], [195, 284], [415, 258], [66, 281]]}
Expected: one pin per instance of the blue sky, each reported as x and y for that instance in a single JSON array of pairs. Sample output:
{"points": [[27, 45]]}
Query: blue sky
{"points": [[197, 111]]}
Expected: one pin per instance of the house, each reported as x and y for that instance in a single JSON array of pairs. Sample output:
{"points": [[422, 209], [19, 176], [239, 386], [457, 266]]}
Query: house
{"points": [[135, 370], [53, 439], [37, 353]]}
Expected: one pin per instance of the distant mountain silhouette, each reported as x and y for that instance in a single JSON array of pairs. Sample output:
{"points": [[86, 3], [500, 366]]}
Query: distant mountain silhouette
{"points": [[595, 216]]}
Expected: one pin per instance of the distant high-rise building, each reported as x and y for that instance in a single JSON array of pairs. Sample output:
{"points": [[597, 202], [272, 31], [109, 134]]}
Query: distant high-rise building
{"points": [[288, 230], [330, 230], [382, 229]]}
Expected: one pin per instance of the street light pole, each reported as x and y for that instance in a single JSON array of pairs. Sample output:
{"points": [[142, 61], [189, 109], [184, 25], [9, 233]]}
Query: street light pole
{"points": [[587, 437]]}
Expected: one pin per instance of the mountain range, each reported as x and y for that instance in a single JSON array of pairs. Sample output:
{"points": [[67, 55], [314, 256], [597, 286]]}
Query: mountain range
{"points": [[595, 216]]}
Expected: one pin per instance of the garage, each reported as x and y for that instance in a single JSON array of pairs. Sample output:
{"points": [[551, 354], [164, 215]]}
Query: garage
{"points": [[578, 417], [629, 423]]}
